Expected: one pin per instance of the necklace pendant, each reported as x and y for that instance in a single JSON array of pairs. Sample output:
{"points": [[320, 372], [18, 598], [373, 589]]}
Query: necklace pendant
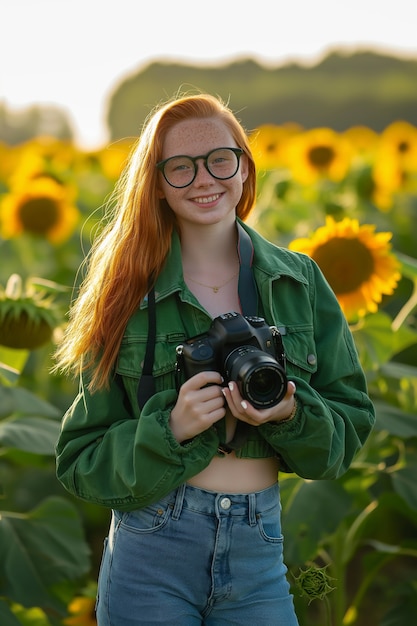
{"points": [[215, 289]]}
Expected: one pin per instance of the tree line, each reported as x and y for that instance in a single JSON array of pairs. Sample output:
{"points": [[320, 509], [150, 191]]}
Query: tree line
{"points": [[342, 90], [363, 88]]}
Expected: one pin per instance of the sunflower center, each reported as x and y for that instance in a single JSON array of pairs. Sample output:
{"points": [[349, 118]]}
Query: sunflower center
{"points": [[403, 146], [321, 156], [271, 147], [346, 263], [39, 215]]}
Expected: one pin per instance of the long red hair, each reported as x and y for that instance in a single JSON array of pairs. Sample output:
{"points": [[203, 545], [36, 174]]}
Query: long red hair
{"points": [[133, 244]]}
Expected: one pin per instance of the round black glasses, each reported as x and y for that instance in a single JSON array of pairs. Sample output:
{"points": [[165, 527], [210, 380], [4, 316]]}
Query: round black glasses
{"points": [[180, 171]]}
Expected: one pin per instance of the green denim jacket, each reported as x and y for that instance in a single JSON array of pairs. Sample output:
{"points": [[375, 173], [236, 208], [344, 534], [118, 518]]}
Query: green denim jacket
{"points": [[111, 453]]}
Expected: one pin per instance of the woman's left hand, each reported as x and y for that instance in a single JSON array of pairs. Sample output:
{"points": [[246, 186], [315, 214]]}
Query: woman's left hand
{"points": [[244, 411]]}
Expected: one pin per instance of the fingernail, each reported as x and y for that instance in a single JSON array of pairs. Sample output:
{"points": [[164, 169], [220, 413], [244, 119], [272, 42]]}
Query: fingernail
{"points": [[243, 405], [293, 385], [231, 386]]}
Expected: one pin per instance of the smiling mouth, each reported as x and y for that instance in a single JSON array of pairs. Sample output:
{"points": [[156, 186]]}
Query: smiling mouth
{"points": [[207, 199]]}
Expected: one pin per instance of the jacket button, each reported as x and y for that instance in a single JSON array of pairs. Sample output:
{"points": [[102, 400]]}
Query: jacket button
{"points": [[311, 359]]}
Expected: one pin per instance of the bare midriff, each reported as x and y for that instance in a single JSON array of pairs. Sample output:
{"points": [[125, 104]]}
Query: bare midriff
{"points": [[230, 474]]}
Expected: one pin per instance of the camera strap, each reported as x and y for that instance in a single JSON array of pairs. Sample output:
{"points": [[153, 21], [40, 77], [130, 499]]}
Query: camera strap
{"points": [[248, 297], [248, 293], [146, 388]]}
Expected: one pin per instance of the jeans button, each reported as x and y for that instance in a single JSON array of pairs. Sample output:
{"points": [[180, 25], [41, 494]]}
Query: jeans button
{"points": [[225, 503]]}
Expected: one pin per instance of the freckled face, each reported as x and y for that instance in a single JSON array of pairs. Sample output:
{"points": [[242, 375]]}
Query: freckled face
{"points": [[207, 200]]}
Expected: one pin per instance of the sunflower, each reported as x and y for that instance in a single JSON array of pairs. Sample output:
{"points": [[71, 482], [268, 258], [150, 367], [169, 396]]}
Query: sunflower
{"points": [[356, 261], [113, 158], [268, 144], [314, 582], [395, 167], [9, 158], [42, 207], [28, 313], [376, 189], [29, 165], [39, 158], [82, 612], [388, 178], [319, 153], [400, 138], [363, 140], [57, 154]]}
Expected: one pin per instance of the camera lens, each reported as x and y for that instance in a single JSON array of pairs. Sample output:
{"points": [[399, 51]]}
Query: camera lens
{"points": [[260, 378], [264, 381]]}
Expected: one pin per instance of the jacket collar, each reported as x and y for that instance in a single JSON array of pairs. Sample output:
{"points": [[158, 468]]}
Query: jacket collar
{"points": [[270, 262]]}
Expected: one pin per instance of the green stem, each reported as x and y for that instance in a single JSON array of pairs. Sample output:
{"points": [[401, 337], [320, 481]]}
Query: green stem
{"points": [[339, 573], [406, 310], [25, 254], [12, 515], [353, 612], [328, 611]]}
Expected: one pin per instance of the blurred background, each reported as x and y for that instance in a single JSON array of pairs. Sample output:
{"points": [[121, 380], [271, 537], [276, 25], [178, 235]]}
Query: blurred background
{"points": [[75, 56], [328, 95]]}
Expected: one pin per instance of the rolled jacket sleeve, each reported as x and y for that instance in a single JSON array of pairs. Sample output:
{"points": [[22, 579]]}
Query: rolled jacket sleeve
{"points": [[108, 456]]}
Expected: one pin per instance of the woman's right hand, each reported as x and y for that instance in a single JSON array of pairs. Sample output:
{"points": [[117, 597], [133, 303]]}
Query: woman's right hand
{"points": [[200, 404]]}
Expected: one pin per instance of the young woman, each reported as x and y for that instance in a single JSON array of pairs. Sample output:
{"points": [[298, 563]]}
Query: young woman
{"points": [[190, 469]]}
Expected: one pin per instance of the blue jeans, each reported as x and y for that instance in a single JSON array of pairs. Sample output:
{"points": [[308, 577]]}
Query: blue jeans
{"points": [[197, 558]]}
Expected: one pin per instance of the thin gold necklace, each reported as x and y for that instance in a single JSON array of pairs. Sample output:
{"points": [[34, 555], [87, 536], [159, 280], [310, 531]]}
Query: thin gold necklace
{"points": [[215, 288]]}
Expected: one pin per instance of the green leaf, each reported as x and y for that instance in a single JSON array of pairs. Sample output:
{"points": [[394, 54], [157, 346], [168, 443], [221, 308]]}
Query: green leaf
{"points": [[39, 550], [46, 285], [394, 420], [315, 511], [8, 375], [6, 402], [31, 434], [376, 341], [404, 612], [25, 402], [405, 484], [14, 359], [399, 370], [6, 616], [32, 617], [388, 548], [408, 265]]}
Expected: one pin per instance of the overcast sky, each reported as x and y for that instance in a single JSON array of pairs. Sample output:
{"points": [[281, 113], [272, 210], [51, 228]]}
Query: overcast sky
{"points": [[74, 52]]}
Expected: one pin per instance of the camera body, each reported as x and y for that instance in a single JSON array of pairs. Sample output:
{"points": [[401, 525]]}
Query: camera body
{"points": [[242, 349]]}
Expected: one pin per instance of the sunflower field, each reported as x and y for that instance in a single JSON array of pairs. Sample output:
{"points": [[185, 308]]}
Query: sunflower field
{"points": [[349, 200]]}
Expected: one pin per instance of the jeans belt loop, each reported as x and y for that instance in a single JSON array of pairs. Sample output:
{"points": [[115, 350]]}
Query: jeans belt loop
{"points": [[179, 500], [252, 509]]}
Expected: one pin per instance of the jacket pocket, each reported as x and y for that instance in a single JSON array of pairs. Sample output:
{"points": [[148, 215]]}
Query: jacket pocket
{"points": [[300, 350], [132, 355]]}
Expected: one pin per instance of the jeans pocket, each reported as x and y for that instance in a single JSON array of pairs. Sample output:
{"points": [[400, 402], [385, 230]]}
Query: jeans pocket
{"points": [[269, 525], [150, 519]]}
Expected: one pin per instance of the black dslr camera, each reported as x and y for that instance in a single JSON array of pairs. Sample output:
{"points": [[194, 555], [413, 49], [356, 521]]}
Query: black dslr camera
{"points": [[243, 349]]}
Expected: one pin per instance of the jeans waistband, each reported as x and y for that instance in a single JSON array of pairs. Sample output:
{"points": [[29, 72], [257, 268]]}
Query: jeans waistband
{"points": [[222, 504]]}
